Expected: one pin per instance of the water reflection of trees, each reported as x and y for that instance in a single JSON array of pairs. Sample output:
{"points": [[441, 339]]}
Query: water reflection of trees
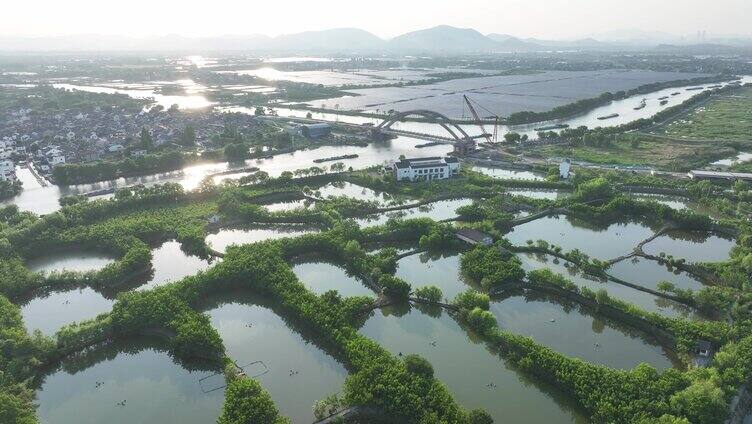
{"points": [[569, 306], [110, 350], [563, 401], [310, 334], [695, 236]]}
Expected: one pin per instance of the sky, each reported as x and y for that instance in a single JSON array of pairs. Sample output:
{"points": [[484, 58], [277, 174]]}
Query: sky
{"points": [[554, 19]]}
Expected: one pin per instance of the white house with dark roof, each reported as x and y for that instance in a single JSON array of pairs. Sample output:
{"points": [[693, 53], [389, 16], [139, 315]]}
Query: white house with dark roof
{"points": [[426, 169]]}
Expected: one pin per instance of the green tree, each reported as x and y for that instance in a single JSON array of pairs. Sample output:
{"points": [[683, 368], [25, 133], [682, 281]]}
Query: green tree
{"points": [[512, 137], [702, 402], [418, 365], [147, 142], [187, 137], [246, 402], [479, 416], [429, 293], [595, 189]]}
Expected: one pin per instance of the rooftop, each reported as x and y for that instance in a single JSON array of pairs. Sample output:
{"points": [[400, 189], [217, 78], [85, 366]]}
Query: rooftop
{"points": [[720, 174], [472, 234]]}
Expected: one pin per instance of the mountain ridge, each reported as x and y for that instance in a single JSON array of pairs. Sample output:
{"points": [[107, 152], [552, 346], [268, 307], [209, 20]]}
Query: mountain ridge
{"points": [[441, 38]]}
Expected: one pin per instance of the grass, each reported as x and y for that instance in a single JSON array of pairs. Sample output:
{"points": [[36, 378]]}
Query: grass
{"points": [[653, 151], [724, 118]]}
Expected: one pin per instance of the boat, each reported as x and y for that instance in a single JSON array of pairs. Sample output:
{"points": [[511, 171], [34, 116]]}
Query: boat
{"points": [[552, 127], [664, 102], [695, 88], [663, 98], [642, 105], [235, 171], [675, 93], [431, 144], [603, 118], [333, 158]]}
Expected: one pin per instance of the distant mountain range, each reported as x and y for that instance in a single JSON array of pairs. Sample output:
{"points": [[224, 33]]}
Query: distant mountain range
{"points": [[438, 39]]}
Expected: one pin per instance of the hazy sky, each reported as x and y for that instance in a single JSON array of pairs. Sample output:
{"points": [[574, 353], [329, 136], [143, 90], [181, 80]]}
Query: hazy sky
{"points": [[386, 18]]}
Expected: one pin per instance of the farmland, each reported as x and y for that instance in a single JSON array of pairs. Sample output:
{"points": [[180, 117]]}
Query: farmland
{"points": [[725, 118]]}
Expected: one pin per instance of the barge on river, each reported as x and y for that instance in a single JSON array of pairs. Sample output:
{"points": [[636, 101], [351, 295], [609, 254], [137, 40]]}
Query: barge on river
{"points": [[333, 158], [552, 127], [603, 118]]}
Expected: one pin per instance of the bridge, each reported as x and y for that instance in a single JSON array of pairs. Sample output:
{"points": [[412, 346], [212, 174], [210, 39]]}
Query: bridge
{"points": [[454, 133]]}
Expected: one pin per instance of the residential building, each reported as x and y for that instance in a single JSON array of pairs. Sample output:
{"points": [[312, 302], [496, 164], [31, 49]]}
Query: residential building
{"points": [[426, 169], [7, 170], [57, 160]]}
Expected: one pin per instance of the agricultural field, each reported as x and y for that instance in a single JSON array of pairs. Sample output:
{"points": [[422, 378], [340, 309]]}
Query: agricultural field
{"points": [[726, 117], [661, 152]]}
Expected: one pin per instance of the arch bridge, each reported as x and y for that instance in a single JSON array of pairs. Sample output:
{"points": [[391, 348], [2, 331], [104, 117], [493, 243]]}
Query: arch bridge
{"points": [[455, 132]]}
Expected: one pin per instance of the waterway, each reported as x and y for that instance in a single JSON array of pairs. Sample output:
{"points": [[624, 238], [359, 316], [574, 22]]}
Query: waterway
{"points": [[601, 243], [692, 246], [299, 372], [68, 261], [466, 366], [44, 199], [170, 263], [51, 312], [321, 277], [649, 273], [353, 191], [224, 238], [442, 271], [624, 108], [152, 386], [441, 210], [571, 330], [191, 100], [644, 300]]}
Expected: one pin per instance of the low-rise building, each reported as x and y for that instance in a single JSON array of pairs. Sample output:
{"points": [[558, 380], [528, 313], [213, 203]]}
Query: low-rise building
{"points": [[719, 175], [703, 353], [7, 170], [57, 160], [315, 130], [565, 168], [468, 235], [426, 169]]}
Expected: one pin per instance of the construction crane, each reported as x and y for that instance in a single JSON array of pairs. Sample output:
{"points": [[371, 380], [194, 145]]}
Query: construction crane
{"points": [[478, 121]]}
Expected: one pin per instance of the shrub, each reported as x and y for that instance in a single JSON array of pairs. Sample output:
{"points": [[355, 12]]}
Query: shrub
{"points": [[416, 364], [246, 402], [471, 299], [429, 293]]}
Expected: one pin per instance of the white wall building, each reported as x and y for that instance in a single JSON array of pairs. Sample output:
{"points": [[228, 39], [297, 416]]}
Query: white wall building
{"points": [[564, 169], [426, 169], [57, 160], [7, 170]]}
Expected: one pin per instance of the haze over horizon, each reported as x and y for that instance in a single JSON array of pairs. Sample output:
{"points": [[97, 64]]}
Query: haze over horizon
{"points": [[608, 19]]}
